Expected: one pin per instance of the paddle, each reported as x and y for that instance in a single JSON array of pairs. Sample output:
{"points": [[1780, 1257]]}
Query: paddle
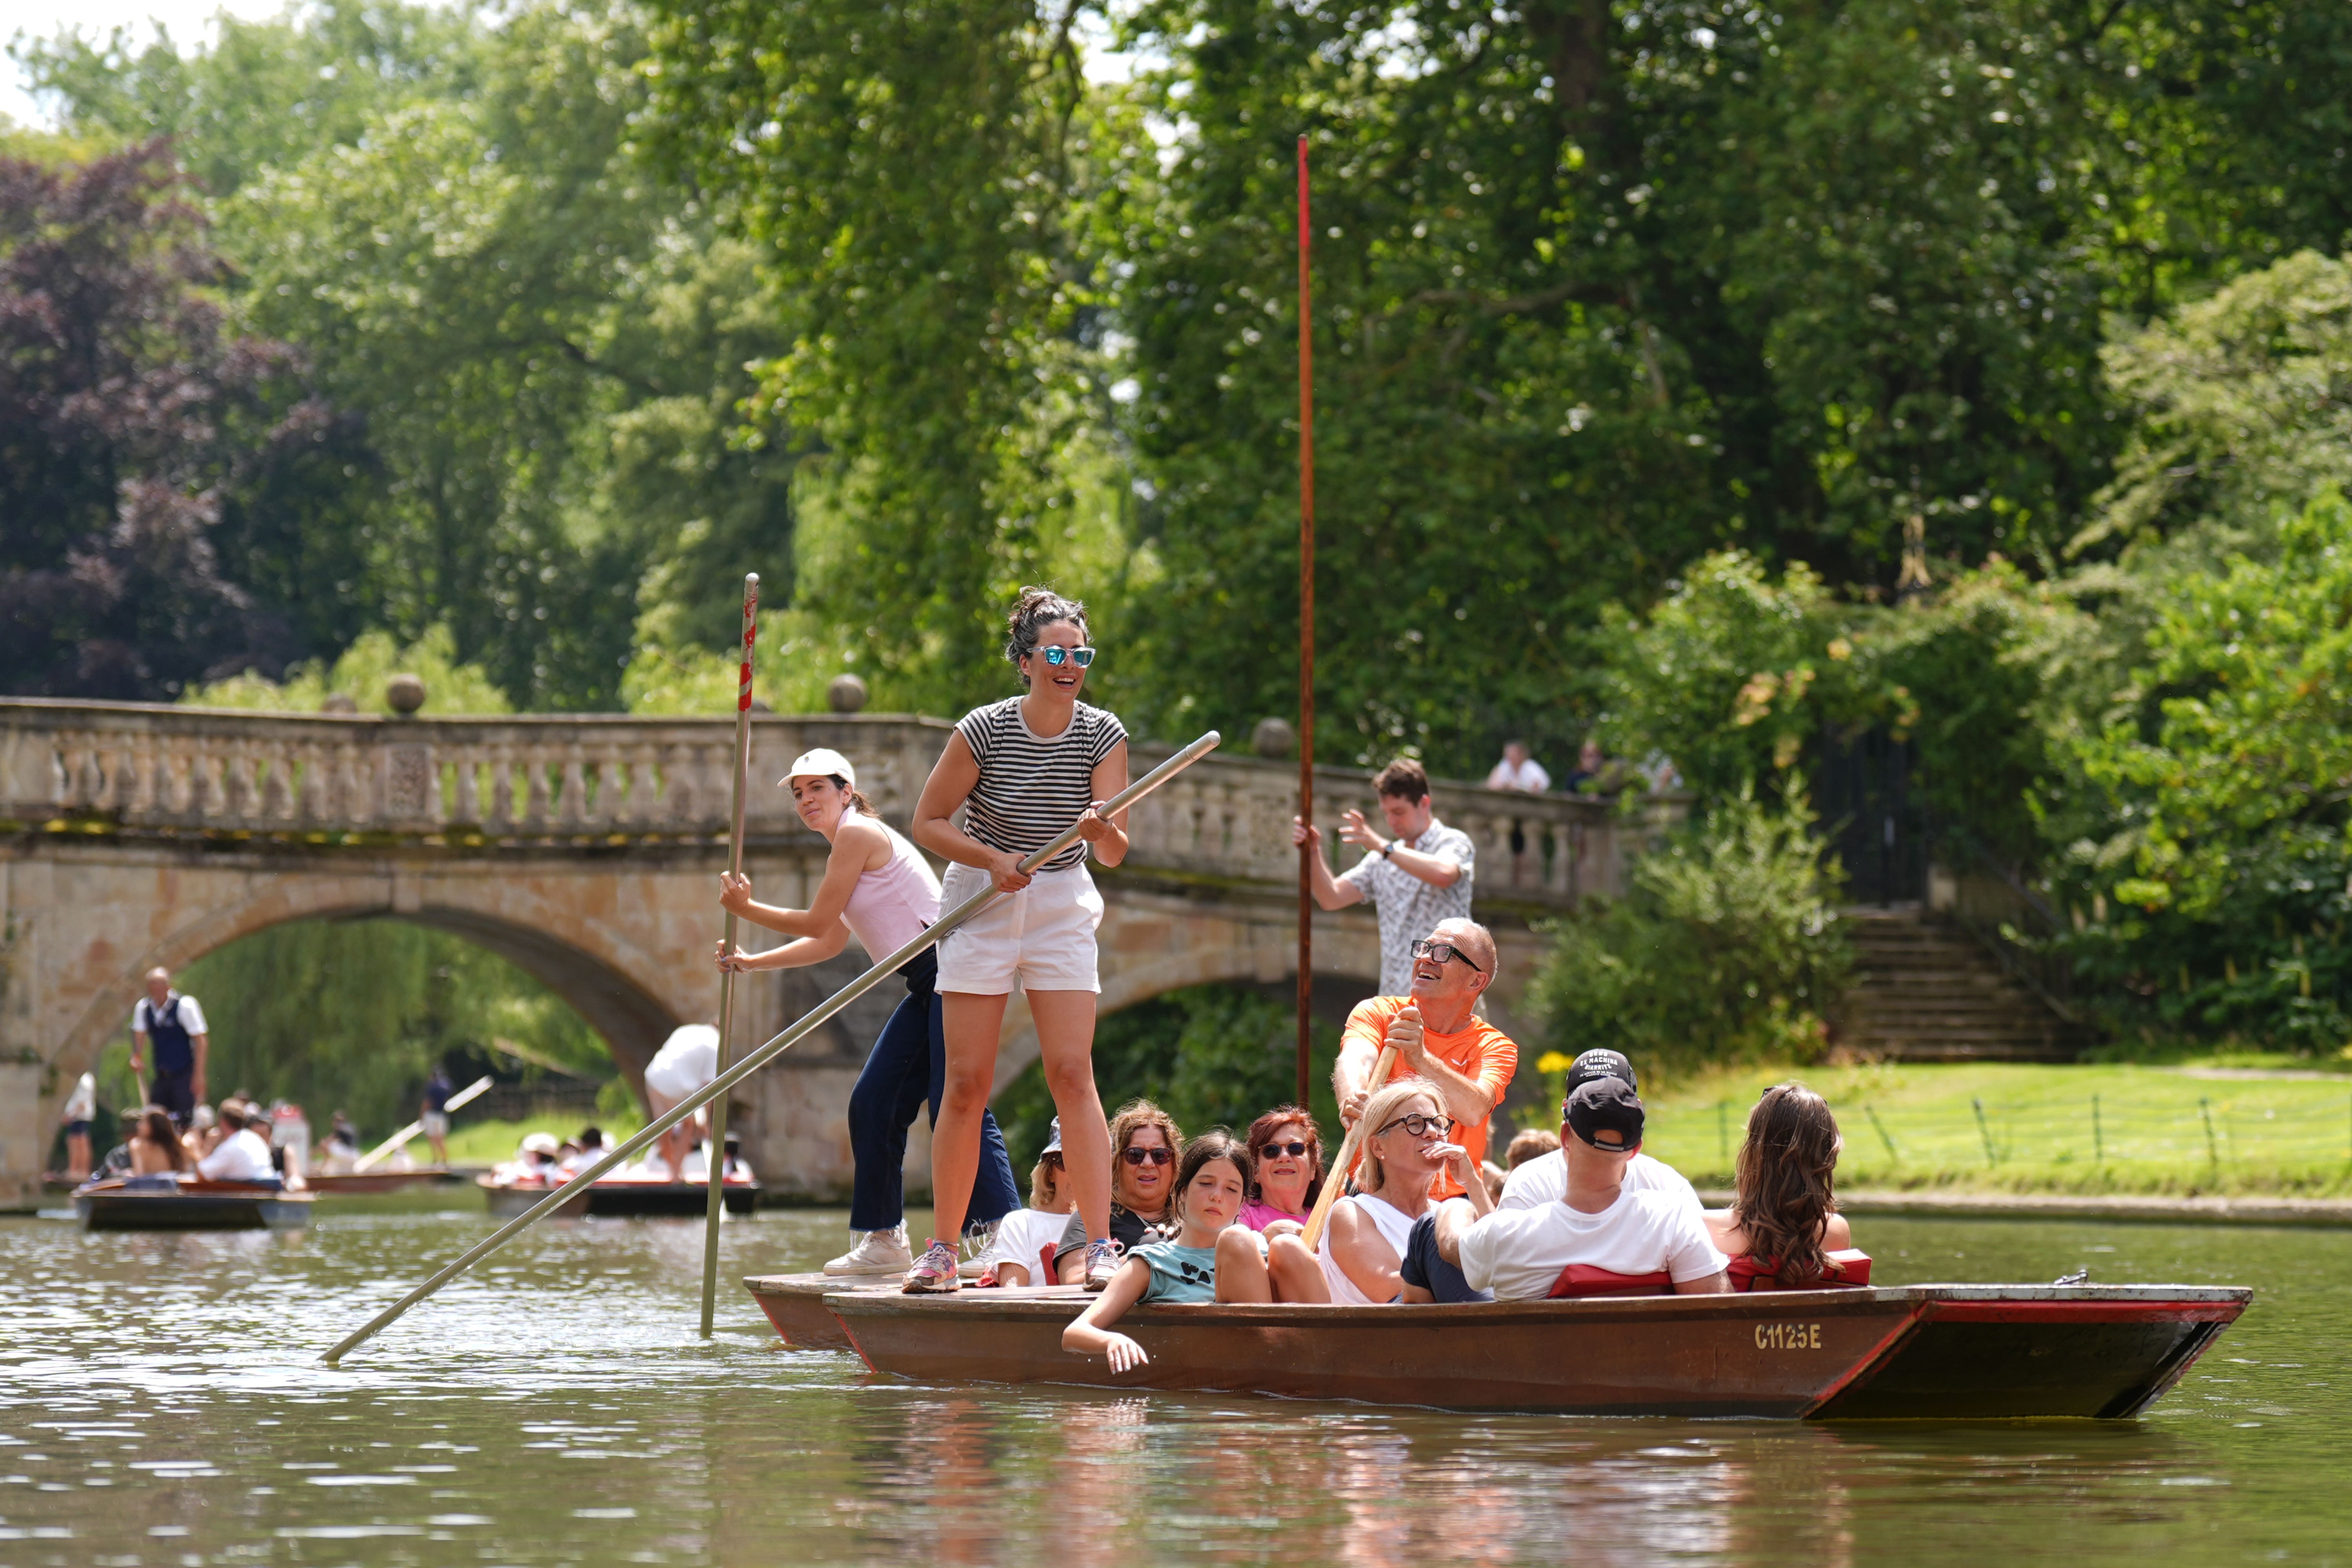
{"points": [[807, 1023], [714, 1164], [478, 1087], [1345, 1160]]}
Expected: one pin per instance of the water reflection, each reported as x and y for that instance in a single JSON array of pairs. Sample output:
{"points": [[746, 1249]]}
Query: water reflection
{"points": [[161, 1401]]}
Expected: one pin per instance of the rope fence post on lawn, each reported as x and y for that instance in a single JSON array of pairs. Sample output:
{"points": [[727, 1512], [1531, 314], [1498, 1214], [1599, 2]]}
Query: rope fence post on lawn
{"points": [[1984, 1131], [2212, 1148], [1880, 1127], [2098, 1135]]}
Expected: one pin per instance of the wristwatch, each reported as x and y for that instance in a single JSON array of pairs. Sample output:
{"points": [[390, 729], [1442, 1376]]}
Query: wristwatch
{"points": [[1387, 852]]}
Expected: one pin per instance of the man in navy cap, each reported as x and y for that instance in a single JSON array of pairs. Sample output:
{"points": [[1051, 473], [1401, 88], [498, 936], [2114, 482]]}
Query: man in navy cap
{"points": [[1544, 1179], [1601, 1238]]}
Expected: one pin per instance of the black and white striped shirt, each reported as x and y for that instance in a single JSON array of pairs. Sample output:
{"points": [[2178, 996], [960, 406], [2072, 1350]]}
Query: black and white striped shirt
{"points": [[1032, 786]]}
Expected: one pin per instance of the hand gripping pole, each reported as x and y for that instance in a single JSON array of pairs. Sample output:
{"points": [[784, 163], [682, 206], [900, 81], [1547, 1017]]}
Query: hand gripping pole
{"points": [[757, 1059]]}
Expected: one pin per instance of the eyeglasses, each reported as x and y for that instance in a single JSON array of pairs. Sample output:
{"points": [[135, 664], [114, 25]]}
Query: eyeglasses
{"points": [[1058, 655], [1148, 1156], [1415, 1124], [1442, 952], [1295, 1149]]}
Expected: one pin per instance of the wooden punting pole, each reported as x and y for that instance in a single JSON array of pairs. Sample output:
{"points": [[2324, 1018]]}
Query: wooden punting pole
{"points": [[715, 1161], [1307, 851]]}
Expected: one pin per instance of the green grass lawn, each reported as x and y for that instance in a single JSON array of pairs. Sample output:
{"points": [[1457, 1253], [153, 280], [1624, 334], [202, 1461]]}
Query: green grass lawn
{"points": [[2093, 1128]]}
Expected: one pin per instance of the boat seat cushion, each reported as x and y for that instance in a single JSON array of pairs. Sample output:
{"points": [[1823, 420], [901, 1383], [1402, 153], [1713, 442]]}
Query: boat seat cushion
{"points": [[1581, 1279], [1841, 1270]]}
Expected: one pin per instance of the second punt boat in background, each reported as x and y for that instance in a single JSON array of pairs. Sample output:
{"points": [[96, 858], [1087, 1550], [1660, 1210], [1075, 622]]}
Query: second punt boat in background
{"points": [[1925, 1352], [619, 1200]]}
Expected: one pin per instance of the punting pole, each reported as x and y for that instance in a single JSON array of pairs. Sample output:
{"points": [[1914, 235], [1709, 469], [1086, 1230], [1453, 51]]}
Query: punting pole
{"points": [[1344, 1165], [715, 1161], [1306, 852], [750, 1064], [465, 1096]]}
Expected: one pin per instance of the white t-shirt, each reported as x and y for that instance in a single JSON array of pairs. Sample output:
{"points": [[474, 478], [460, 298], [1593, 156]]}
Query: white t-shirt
{"points": [[1395, 1226], [687, 1060], [191, 1016], [1021, 1235], [695, 1167], [1528, 777], [1518, 1253], [82, 1104], [242, 1156], [1543, 1180]]}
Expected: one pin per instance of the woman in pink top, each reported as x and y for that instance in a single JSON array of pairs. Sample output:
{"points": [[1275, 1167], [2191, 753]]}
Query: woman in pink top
{"points": [[1286, 1153], [878, 889]]}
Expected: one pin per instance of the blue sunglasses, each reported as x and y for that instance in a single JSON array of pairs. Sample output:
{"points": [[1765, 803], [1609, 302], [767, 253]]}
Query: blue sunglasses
{"points": [[1058, 655]]}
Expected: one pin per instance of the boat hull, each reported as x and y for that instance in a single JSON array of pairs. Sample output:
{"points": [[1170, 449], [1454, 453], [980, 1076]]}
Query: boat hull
{"points": [[196, 1210], [1922, 1352], [795, 1304], [624, 1200], [350, 1185]]}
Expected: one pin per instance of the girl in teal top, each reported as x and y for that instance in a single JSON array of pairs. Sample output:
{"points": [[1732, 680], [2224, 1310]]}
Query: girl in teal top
{"points": [[1211, 1184]]}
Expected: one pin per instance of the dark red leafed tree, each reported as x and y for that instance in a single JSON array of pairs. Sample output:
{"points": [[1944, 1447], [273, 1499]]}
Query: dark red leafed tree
{"points": [[131, 422]]}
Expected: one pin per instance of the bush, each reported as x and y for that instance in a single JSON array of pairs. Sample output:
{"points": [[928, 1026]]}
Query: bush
{"points": [[1725, 948]]}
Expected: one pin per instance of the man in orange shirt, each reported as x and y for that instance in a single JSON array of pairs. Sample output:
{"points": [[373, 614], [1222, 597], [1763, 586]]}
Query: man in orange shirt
{"points": [[1437, 1037]]}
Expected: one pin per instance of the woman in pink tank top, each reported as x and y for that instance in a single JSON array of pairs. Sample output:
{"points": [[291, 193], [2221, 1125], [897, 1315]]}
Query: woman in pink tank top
{"points": [[878, 888]]}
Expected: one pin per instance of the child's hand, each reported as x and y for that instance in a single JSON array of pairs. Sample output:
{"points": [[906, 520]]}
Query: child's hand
{"points": [[1124, 1354]]}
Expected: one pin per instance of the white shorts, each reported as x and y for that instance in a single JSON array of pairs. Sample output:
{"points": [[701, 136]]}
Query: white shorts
{"points": [[1039, 938]]}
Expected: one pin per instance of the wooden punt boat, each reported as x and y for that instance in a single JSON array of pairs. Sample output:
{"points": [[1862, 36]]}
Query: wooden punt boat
{"points": [[623, 1200], [117, 1204], [1927, 1352], [352, 1183], [795, 1303]]}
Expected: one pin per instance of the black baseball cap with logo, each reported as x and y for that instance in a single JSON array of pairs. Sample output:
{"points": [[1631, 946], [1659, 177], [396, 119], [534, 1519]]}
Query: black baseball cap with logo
{"points": [[1605, 1105], [1596, 1064]]}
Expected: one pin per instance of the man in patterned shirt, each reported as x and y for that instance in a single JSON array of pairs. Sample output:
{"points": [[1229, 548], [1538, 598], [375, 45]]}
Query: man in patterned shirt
{"points": [[1417, 875]]}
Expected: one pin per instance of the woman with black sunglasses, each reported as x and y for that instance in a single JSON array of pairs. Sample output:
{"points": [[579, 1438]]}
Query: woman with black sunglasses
{"points": [[1145, 1142], [1287, 1159], [1020, 771]]}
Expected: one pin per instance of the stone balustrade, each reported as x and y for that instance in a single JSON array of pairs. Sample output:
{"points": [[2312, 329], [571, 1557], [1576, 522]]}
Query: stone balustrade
{"points": [[148, 771]]}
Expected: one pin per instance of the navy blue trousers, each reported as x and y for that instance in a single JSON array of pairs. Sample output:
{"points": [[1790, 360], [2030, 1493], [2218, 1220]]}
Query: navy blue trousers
{"points": [[908, 1069]]}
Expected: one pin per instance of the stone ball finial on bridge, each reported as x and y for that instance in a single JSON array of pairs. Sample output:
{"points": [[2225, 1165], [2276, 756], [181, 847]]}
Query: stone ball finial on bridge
{"points": [[846, 694], [1274, 740], [406, 693]]}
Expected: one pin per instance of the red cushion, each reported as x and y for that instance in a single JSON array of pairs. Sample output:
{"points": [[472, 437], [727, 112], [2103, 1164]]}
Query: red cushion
{"points": [[1846, 1270], [1581, 1279]]}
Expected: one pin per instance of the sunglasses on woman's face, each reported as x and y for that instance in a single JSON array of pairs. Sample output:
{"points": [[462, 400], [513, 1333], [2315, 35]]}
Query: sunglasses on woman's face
{"points": [[1058, 655], [1295, 1149], [1148, 1156]]}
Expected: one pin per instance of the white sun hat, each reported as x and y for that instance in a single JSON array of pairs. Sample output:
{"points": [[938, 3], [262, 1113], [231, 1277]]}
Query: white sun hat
{"points": [[822, 763]]}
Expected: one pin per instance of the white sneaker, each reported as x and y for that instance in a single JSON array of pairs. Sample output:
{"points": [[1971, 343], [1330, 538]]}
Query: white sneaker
{"points": [[977, 1241], [878, 1252]]}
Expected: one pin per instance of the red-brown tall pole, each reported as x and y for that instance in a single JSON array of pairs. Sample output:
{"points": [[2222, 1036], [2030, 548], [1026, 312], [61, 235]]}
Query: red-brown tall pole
{"points": [[1306, 852]]}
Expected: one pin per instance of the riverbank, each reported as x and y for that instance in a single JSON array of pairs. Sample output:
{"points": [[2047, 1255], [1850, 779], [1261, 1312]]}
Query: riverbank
{"points": [[2315, 1213], [2094, 1131]]}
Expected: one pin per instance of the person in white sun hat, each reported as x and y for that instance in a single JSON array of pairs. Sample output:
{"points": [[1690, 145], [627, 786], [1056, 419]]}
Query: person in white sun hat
{"points": [[878, 889]]}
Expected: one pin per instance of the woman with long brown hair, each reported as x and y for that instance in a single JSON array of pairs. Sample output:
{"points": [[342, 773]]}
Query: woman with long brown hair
{"points": [[156, 1147], [1783, 1221]]}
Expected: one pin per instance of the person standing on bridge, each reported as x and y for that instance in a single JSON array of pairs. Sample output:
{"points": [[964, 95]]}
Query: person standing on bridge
{"points": [[878, 889], [173, 1025], [1023, 769], [1417, 876]]}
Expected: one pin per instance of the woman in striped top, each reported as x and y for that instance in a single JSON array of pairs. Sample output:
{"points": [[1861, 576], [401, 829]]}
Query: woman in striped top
{"points": [[1022, 770]]}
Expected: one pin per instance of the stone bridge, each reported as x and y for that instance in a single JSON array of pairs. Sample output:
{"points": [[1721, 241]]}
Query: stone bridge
{"points": [[585, 850]]}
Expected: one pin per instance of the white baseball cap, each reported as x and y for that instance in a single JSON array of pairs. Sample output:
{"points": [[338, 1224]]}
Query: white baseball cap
{"points": [[822, 763]]}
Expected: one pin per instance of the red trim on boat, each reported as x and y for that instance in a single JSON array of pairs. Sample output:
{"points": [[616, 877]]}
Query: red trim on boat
{"points": [[1878, 1356], [2081, 1311]]}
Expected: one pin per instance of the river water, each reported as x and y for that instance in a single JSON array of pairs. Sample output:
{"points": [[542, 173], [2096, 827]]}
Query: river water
{"points": [[160, 1403]]}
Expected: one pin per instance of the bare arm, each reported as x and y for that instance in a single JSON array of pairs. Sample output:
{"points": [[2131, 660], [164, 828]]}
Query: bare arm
{"points": [[944, 792], [794, 954], [138, 1050], [1466, 1099], [204, 1045], [1351, 1076], [860, 845], [1716, 1284], [1108, 836], [1364, 1256], [1438, 870], [1330, 893], [1089, 1333], [1454, 1218]]}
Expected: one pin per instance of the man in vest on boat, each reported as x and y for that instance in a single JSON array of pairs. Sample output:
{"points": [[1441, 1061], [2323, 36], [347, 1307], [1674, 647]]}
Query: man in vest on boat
{"points": [[173, 1025], [1599, 1238], [1544, 1179], [1437, 1036]]}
